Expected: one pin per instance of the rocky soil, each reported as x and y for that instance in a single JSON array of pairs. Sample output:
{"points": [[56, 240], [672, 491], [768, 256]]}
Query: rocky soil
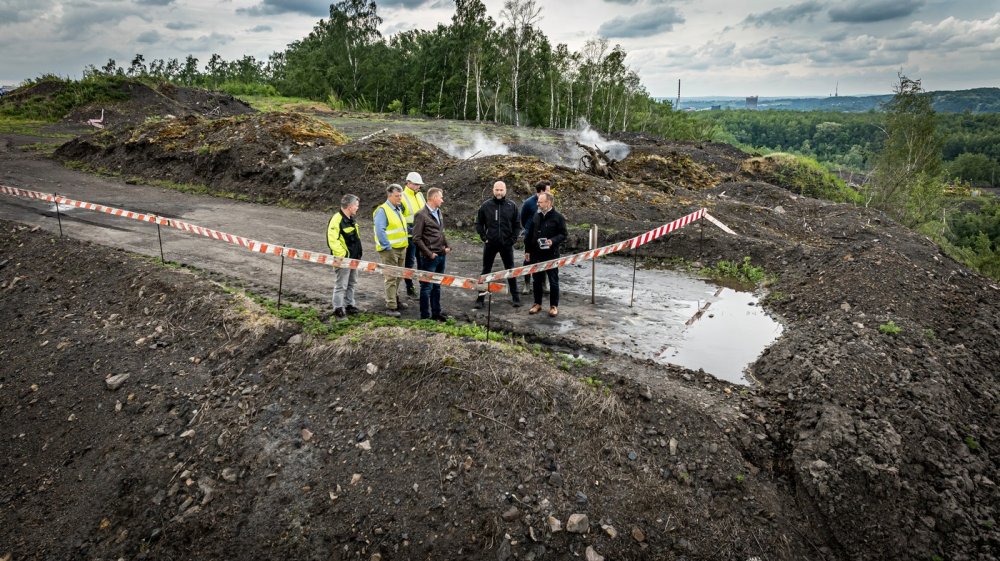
{"points": [[871, 434]]}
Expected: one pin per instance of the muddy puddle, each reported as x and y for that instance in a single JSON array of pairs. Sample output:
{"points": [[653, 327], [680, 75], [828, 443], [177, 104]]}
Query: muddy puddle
{"points": [[676, 318]]}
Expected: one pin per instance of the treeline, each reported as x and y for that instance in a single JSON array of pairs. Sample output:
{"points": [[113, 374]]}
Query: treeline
{"points": [[970, 143], [475, 68]]}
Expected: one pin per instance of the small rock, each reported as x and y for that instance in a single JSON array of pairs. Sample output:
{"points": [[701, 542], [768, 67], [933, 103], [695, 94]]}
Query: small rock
{"points": [[845, 306], [555, 479], [778, 209], [554, 524], [578, 524], [511, 514], [295, 339], [632, 455], [116, 381], [610, 530], [229, 475], [376, 557], [306, 435], [503, 552], [673, 446], [592, 554], [638, 535], [355, 479], [531, 534], [188, 433], [646, 393], [371, 369], [581, 497]]}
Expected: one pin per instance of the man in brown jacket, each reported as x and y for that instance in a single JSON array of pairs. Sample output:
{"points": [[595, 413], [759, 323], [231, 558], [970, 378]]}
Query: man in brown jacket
{"points": [[432, 246]]}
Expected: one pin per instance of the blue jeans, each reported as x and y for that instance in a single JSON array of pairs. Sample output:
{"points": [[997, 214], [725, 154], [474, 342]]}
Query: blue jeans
{"points": [[410, 261], [430, 292]]}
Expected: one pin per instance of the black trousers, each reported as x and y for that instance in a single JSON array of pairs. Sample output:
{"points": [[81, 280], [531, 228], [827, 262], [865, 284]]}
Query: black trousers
{"points": [[506, 252], [539, 282]]}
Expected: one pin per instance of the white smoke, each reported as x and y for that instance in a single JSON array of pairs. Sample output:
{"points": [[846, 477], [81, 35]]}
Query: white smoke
{"points": [[586, 135], [475, 145]]}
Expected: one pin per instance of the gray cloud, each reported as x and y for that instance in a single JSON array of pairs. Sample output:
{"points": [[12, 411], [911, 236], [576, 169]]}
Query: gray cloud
{"points": [[206, 42], [644, 24], [149, 37], [260, 29], [154, 2], [180, 25], [16, 11], [784, 16], [866, 11], [81, 18], [318, 8], [408, 4], [622, 1], [774, 51]]}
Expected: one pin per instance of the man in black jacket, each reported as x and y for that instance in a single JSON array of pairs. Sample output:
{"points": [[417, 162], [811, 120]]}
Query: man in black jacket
{"points": [[541, 243], [498, 227]]}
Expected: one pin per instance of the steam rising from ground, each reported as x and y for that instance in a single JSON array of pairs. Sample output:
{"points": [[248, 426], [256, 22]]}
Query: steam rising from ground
{"points": [[551, 146]]}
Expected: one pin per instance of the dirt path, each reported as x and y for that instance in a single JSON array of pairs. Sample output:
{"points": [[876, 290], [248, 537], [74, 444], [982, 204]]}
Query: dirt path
{"points": [[580, 324]]}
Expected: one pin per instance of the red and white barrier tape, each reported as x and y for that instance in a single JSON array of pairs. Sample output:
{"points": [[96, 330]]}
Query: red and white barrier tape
{"points": [[640, 240], [490, 279], [264, 247]]}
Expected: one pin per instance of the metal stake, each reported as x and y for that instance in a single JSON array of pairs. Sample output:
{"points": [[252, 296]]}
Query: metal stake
{"points": [[635, 265], [593, 265], [489, 312], [701, 240], [58, 214], [159, 237], [281, 278]]}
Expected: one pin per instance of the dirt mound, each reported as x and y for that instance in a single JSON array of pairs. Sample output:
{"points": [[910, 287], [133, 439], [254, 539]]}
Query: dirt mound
{"points": [[799, 176], [665, 171], [140, 102], [149, 414]]}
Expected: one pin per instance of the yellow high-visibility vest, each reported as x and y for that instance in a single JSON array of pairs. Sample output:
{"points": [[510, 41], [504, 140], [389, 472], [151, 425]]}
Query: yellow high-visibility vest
{"points": [[413, 201], [395, 231]]}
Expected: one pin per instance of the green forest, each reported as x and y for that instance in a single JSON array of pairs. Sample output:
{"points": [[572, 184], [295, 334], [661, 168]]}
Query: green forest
{"points": [[475, 68]]}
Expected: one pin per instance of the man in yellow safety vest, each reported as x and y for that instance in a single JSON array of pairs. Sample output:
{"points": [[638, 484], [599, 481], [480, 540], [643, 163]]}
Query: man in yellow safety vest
{"points": [[413, 202], [391, 243]]}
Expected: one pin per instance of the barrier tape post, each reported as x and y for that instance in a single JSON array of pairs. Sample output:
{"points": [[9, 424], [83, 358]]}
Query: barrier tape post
{"points": [[159, 238], [701, 238], [489, 314], [281, 278], [635, 265], [55, 201], [593, 265]]}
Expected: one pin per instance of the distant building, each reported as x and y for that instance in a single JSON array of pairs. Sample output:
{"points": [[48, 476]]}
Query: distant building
{"points": [[752, 102], [716, 108]]}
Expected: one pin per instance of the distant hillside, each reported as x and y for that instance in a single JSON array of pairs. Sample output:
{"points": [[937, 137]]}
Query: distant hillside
{"points": [[978, 100]]}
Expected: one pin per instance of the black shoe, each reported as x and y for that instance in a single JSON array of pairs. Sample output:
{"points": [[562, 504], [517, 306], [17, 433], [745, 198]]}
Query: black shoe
{"points": [[400, 305], [516, 303], [351, 311], [441, 317], [479, 303], [340, 313], [411, 291]]}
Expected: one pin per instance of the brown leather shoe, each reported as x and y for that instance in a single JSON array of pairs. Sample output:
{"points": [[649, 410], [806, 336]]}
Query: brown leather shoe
{"points": [[553, 312], [535, 308]]}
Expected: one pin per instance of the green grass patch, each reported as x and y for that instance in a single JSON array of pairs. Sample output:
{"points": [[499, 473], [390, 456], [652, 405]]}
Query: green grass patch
{"points": [[268, 103], [28, 127], [50, 98], [740, 272], [972, 443], [801, 175], [890, 328], [47, 148], [312, 323]]}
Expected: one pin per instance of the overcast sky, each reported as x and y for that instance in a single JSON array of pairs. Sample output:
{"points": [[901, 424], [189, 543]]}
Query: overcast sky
{"points": [[716, 47]]}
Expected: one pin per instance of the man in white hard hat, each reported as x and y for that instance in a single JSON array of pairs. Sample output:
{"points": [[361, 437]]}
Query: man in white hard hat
{"points": [[413, 202]]}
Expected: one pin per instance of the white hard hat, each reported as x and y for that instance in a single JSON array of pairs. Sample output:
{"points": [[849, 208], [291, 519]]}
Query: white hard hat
{"points": [[414, 177]]}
